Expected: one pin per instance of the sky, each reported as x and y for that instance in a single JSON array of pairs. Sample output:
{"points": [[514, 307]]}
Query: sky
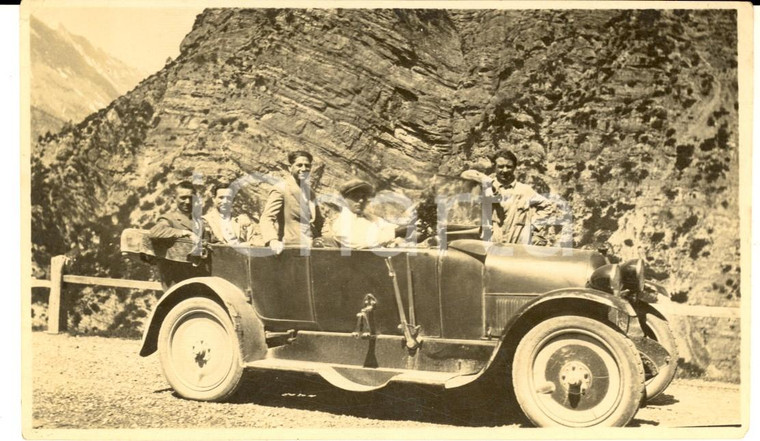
{"points": [[142, 37]]}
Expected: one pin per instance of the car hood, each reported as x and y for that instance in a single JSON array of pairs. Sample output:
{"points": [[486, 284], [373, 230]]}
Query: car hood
{"points": [[526, 269]]}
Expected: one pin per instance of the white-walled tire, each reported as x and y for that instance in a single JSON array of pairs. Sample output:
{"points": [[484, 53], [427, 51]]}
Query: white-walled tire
{"points": [[574, 371], [199, 350]]}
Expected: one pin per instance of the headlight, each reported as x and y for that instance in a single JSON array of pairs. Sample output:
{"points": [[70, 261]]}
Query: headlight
{"points": [[632, 276], [606, 278]]}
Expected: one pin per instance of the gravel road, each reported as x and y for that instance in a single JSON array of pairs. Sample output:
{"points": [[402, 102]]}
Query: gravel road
{"points": [[101, 383]]}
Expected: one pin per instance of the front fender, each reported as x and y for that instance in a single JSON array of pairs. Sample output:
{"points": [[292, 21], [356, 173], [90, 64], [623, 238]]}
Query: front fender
{"points": [[656, 308], [620, 311], [248, 326], [566, 300]]}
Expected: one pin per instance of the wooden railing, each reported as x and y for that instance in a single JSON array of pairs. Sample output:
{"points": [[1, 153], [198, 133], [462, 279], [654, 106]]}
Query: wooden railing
{"points": [[57, 313]]}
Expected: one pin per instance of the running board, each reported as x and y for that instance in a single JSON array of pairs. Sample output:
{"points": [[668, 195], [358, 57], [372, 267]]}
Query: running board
{"points": [[360, 379]]}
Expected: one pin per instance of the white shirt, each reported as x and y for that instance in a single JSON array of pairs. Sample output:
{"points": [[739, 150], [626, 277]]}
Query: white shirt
{"points": [[357, 232], [227, 230]]}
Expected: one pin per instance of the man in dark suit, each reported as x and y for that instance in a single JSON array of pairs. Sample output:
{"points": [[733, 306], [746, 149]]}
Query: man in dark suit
{"points": [[175, 224], [179, 222], [291, 215]]}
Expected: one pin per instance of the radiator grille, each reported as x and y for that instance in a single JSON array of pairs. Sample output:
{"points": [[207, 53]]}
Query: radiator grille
{"points": [[500, 308]]}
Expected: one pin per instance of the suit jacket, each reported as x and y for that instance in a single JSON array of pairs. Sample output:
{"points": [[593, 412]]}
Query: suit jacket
{"points": [[226, 231], [290, 214], [172, 225]]}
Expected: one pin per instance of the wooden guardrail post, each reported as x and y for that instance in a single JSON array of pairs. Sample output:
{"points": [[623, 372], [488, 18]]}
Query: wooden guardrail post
{"points": [[56, 312]]}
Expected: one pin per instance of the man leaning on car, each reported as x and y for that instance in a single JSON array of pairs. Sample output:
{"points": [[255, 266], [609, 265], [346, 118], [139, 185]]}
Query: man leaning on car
{"points": [[179, 222], [514, 203]]}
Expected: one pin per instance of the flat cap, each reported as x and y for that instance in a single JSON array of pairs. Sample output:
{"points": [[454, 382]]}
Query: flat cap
{"points": [[355, 185]]}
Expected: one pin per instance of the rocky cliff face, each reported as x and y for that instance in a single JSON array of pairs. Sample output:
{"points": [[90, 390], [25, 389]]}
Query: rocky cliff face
{"points": [[629, 116], [71, 78]]}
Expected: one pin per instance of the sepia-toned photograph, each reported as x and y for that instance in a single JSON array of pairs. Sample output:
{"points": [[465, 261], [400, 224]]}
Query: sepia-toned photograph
{"points": [[385, 220]]}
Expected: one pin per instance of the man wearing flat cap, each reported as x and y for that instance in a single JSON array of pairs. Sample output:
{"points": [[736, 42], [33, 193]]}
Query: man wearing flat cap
{"points": [[354, 227]]}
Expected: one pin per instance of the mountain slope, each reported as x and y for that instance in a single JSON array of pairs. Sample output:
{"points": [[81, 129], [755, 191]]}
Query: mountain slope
{"points": [[71, 78]]}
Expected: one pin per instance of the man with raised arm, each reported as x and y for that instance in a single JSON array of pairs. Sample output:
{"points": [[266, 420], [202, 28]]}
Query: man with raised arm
{"points": [[515, 205]]}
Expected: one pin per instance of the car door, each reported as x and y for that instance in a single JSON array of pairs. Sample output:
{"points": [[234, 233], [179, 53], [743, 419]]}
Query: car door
{"points": [[281, 289], [341, 281]]}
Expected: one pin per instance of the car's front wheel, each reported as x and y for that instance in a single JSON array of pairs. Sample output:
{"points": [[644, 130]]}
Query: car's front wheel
{"points": [[574, 371], [199, 350]]}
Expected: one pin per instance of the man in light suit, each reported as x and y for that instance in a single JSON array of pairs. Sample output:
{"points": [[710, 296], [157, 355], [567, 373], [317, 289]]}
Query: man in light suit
{"points": [[222, 226], [291, 215]]}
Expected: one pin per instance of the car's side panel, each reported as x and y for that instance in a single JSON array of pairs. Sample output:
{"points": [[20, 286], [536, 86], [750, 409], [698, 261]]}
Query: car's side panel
{"points": [[387, 352], [500, 308], [231, 264], [326, 289], [461, 287], [342, 281], [424, 266], [281, 290]]}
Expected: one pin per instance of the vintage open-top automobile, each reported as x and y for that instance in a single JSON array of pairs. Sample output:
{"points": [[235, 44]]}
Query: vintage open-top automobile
{"points": [[583, 342]]}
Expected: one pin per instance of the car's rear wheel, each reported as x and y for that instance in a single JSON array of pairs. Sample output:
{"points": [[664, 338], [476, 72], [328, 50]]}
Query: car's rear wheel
{"points": [[659, 330], [199, 350], [574, 371]]}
